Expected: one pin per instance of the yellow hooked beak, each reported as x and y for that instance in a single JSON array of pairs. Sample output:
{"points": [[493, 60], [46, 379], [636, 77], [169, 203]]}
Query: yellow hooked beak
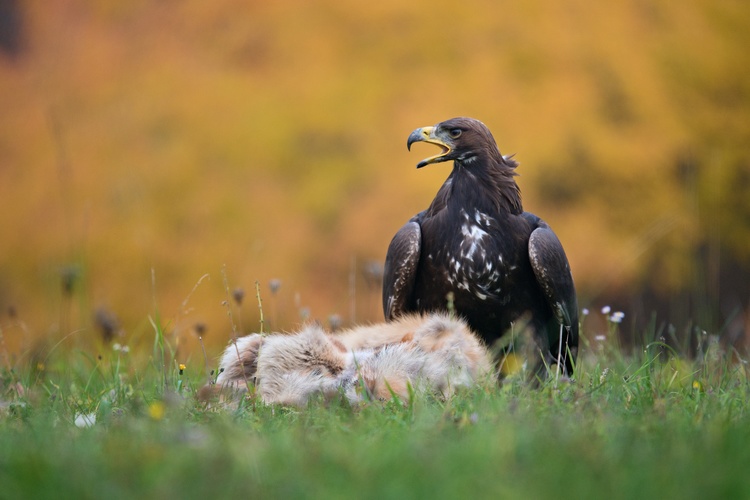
{"points": [[427, 134]]}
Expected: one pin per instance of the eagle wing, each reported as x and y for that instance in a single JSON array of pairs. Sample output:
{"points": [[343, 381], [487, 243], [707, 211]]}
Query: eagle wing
{"points": [[400, 271], [552, 271]]}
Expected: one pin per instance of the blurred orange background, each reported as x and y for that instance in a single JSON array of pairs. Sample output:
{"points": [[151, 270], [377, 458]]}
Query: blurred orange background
{"points": [[144, 145]]}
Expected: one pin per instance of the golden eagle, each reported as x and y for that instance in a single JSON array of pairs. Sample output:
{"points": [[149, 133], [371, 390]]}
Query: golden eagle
{"points": [[502, 265]]}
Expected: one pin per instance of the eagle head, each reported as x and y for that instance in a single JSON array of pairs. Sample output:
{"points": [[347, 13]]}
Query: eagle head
{"points": [[461, 139]]}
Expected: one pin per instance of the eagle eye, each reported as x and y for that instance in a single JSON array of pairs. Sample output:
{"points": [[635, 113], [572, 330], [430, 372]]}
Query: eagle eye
{"points": [[455, 133]]}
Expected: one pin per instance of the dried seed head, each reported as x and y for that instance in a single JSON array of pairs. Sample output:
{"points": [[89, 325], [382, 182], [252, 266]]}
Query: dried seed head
{"points": [[334, 322], [274, 285], [68, 277], [107, 323], [304, 313], [200, 329], [373, 272], [238, 294]]}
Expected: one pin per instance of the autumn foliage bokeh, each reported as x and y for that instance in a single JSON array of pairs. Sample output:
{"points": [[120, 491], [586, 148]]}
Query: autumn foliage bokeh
{"points": [[144, 145]]}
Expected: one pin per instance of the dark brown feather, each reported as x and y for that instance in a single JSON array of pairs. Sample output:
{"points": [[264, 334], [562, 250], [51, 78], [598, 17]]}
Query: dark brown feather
{"points": [[500, 264]]}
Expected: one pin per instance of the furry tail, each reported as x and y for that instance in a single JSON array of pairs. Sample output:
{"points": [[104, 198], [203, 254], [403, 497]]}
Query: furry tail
{"points": [[239, 363]]}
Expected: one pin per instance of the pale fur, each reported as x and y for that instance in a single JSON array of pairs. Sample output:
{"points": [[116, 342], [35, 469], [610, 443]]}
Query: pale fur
{"points": [[425, 353]]}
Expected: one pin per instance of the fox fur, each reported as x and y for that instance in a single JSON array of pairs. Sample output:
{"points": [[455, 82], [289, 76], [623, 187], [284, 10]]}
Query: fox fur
{"points": [[434, 353]]}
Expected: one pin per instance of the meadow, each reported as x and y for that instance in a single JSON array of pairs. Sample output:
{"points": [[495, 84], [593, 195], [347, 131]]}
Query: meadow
{"points": [[126, 423]]}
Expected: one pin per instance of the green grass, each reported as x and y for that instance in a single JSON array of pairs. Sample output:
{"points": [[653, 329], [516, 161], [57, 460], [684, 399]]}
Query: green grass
{"points": [[648, 425]]}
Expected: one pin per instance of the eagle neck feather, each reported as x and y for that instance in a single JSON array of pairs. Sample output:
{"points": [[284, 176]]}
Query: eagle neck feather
{"points": [[487, 180]]}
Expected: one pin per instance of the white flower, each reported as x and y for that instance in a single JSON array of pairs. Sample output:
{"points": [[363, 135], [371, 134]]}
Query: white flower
{"points": [[85, 420], [600, 338], [116, 347], [585, 311], [606, 309], [617, 317]]}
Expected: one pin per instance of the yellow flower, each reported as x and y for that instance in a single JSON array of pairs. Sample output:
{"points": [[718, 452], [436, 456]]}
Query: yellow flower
{"points": [[511, 364], [697, 385], [156, 410], [182, 368]]}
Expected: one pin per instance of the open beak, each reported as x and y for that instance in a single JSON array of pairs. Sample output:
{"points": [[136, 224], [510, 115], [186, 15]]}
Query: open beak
{"points": [[427, 134]]}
